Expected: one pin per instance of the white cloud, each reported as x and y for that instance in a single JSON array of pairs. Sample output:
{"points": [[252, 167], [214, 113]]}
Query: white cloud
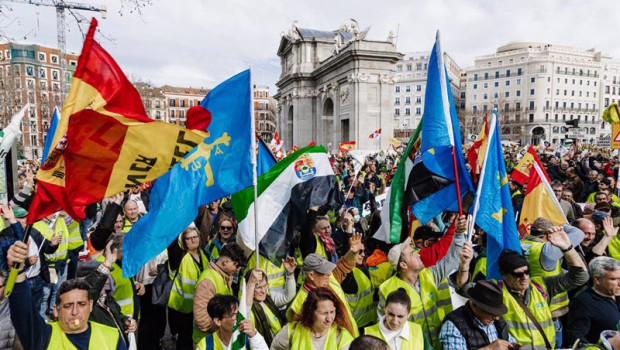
{"points": [[203, 42]]}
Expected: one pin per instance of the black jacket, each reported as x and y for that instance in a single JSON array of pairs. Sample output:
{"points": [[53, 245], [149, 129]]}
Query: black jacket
{"points": [[463, 319]]}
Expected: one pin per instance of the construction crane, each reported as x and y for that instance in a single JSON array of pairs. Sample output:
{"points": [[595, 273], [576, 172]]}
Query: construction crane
{"points": [[61, 6]]}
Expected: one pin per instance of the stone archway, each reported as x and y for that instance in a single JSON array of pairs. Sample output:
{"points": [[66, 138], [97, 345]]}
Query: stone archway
{"points": [[538, 135], [328, 121]]}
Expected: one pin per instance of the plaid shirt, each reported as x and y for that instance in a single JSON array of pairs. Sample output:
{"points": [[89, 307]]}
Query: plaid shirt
{"points": [[8, 236], [452, 339]]}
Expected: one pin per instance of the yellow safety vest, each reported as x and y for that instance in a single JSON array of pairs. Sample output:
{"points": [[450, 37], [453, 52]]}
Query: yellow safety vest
{"points": [[519, 325], [101, 338], [533, 251], [123, 289], [480, 268], [74, 238], [445, 300], [416, 337], [275, 275], [425, 310], [296, 305], [127, 225], [301, 338], [380, 273], [214, 341], [362, 305], [220, 288], [182, 291], [271, 317], [613, 249], [60, 228]]}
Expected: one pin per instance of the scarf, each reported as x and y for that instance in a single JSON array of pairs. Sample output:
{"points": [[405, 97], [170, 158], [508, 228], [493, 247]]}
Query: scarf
{"points": [[328, 242]]}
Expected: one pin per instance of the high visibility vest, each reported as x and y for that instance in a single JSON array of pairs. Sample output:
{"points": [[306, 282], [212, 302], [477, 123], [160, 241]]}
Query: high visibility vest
{"points": [[276, 276], [445, 300], [533, 251], [480, 268], [182, 291], [74, 239], [519, 325], [301, 338], [123, 288], [416, 337], [362, 305], [127, 225], [380, 273], [2, 224], [213, 342], [60, 228], [220, 288], [101, 338], [424, 306], [515, 193], [613, 249], [296, 305], [274, 322]]}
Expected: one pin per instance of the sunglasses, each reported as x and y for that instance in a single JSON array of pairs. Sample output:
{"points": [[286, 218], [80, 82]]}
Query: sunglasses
{"points": [[226, 228], [520, 274]]}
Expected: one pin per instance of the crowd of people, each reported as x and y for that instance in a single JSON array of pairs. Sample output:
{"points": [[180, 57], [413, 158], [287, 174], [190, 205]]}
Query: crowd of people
{"points": [[338, 288]]}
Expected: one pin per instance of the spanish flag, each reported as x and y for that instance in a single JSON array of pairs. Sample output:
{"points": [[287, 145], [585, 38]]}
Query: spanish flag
{"points": [[473, 155], [539, 201], [105, 143], [347, 146], [521, 172]]}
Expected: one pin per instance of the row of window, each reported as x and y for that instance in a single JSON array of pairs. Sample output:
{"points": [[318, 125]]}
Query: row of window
{"points": [[418, 111], [409, 67], [397, 88], [418, 100], [182, 102]]}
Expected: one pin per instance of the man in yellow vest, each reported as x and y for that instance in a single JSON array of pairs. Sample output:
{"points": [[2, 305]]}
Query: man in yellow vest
{"points": [[75, 244], [72, 308], [132, 214], [523, 295], [545, 260], [215, 279], [422, 284], [322, 273]]}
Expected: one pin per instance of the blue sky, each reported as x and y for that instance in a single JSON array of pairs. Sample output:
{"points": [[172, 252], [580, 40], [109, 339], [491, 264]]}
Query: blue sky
{"points": [[200, 43]]}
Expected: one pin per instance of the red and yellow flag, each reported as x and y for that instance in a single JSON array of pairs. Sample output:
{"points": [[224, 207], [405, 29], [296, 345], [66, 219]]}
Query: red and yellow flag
{"points": [[473, 155], [521, 172], [347, 146], [106, 143], [539, 201]]}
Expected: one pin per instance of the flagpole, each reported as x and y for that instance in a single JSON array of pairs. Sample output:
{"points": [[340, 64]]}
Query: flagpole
{"points": [[482, 172], [254, 170]]}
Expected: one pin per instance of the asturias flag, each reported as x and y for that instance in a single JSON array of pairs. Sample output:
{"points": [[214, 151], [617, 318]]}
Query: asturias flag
{"points": [[494, 213], [217, 167], [440, 137], [51, 132]]}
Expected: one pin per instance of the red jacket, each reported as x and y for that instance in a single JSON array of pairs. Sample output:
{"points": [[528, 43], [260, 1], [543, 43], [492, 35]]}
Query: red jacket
{"points": [[431, 255]]}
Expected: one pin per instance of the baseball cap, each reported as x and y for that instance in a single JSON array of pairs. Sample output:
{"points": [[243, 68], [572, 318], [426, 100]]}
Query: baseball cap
{"points": [[318, 263], [541, 226], [394, 253]]}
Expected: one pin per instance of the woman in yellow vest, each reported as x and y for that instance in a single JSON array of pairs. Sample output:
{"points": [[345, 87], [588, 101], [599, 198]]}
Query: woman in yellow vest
{"points": [[320, 326], [395, 329], [181, 301], [226, 233], [360, 294], [265, 304]]}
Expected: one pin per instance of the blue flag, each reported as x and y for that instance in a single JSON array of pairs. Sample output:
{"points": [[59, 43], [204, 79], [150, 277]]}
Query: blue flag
{"points": [[216, 168], [495, 214], [435, 182], [265, 159], [50, 135]]}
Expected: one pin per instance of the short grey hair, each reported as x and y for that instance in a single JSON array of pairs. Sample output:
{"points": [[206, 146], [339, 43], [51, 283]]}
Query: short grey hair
{"points": [[598, 266]]}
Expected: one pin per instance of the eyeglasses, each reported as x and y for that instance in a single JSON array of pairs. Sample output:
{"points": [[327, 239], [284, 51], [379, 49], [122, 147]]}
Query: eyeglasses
{"points": [[520, 274], [191, 238], [226, 228], [361, 252]]}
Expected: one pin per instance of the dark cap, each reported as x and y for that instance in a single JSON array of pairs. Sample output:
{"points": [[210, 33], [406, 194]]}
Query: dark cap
{"points": [[487, 296], [425, 232], [318, 263], [602, 206], [509, 260]]}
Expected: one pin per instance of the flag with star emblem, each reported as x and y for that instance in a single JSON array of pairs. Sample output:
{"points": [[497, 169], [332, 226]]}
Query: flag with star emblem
{"points": [[493, 210]]}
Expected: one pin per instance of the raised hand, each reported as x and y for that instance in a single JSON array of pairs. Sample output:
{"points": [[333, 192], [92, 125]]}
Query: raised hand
{"points": [[608, 226], [289, 264], [558, 237], [355, 243]]}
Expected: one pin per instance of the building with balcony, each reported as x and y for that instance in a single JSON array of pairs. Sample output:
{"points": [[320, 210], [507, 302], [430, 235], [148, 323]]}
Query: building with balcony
{"points": [[537, 87], [179, 100], [265, 112], [154, 100], [410, 88], [30, 73]]}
